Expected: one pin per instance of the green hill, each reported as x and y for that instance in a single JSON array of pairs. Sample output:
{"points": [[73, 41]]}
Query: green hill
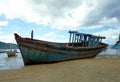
{"points": [[4, 45]]}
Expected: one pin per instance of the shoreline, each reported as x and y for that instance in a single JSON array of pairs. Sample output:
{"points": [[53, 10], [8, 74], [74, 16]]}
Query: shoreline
{"points": [[83, 70], [107, 56]]}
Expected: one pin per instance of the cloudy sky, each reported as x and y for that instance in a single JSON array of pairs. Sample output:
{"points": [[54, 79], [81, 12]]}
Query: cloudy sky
{"points": [[52, 19]]}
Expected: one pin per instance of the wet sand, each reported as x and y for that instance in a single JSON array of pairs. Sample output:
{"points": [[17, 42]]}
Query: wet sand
{"points": [[84, 70]]}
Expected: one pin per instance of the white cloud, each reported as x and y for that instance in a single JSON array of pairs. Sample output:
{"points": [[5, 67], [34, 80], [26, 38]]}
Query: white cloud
{"points": [[3, 23], [53, 37], [109, 21], [0, 31], [50, 34], [8, 38], [66, 14], [63, 14], [44, 12], [111, 35]]}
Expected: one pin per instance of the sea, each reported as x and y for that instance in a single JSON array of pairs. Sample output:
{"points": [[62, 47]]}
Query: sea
{"points": [[16, 62]]}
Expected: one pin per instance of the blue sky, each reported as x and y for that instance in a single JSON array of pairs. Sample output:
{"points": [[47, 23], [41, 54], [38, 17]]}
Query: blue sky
{"points": [[52, 20]]}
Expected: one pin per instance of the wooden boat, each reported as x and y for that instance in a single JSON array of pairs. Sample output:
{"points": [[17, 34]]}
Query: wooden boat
{"points": [[11, 53], [79, 46], [117, 45]]}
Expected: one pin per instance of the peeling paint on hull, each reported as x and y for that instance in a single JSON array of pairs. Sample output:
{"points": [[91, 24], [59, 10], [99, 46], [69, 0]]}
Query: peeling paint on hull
{"points": [[37, 51]]}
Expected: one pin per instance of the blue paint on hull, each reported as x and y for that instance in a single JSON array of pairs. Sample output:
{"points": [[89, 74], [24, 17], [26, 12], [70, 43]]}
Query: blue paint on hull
{"points": [[116, 47], [42, 56], [34, 51], [34, 55]]}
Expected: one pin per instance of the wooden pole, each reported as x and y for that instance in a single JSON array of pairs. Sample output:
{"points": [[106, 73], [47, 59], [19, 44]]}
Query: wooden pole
{"points": [[32, 34]]}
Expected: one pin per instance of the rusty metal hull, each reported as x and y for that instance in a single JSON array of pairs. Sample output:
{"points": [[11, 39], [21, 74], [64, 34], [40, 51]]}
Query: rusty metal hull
{"points": [[37, 51]]}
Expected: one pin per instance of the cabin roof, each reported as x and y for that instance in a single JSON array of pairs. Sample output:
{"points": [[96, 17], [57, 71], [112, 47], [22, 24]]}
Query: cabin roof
{"points": [[83, 34], [98, 37]]}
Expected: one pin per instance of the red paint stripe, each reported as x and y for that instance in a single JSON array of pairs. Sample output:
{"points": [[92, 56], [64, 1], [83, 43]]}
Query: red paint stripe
{"points": [[27, 41], [31, 42], [61, 53], [43, 49], [24, 40]]}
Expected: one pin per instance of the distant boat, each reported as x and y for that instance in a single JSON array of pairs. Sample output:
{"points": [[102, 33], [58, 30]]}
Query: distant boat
{"points": [[80, 45], [117, 45], [11, 53]]}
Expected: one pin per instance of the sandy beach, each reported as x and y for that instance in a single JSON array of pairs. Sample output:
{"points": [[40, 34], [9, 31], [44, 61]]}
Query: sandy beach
{"points": [[84, 70]]}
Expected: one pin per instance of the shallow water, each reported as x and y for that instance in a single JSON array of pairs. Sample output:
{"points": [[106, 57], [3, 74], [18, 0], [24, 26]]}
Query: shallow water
{"points": [[10, 63], [110, 51], [17, 62]]}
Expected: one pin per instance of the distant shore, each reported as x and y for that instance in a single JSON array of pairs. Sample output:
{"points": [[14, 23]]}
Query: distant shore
{"points": [[83, 70], [107, 56]]}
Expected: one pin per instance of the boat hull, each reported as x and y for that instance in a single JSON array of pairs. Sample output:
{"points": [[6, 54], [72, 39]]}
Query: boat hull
{"points": [[117, 46], [34, 51]]}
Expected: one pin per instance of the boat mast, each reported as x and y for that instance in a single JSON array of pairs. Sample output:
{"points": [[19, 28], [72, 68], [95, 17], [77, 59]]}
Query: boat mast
{"points": [[32, 34]]}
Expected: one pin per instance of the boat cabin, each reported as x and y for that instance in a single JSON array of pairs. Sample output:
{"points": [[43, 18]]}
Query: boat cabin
{"points": [[84, 40]]}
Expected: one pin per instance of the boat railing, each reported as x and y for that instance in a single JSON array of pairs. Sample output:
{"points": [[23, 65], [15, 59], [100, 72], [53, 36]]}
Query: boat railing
{"points": [[84, 40]]}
